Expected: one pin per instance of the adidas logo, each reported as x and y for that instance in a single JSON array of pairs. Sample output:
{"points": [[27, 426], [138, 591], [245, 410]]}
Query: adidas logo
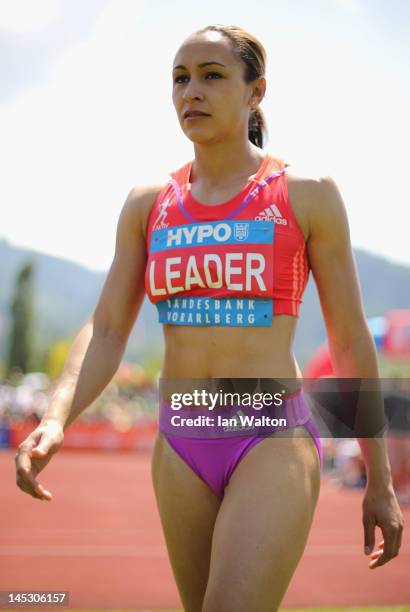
{"points": [[272, 213], [236, 423]]}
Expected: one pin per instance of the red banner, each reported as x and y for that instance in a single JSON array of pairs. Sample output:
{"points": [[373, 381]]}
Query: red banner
{"points": [[95, 435], [396, 342]]}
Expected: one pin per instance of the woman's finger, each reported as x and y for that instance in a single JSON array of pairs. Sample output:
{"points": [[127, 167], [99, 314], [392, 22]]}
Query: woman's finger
{"points": [[388, 548], [24, 475]]}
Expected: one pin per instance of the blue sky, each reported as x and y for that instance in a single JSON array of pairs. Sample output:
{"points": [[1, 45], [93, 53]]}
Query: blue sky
{"points": [[86, 110]]}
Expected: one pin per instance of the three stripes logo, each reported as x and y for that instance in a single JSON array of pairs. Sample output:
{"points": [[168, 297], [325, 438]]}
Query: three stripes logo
{"points": [[272, 213]]}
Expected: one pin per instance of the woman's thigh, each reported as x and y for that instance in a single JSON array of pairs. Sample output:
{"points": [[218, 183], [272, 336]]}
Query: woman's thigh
{"points": [[188, 510], [263, 524]]}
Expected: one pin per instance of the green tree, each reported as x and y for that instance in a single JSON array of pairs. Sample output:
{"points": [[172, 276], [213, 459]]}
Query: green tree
{"points": [[20, 348]]}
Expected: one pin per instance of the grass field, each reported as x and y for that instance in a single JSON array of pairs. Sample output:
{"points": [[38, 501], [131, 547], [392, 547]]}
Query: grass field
{"points": [[365, 609], [350, 609], [354, 609]]}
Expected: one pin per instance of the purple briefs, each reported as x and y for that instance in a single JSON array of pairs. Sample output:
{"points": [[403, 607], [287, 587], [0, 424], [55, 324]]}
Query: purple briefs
{"points": [[212, 442]]}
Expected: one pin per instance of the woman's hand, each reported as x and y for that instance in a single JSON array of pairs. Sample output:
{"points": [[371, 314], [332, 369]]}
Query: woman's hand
{"points": [[380, 507], [33, 455]]}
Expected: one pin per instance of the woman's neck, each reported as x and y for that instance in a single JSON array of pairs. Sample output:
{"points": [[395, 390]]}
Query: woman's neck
{"points": [[219, 163]]}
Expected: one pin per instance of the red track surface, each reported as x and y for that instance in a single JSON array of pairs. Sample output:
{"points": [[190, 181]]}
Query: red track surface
{"points": [[100, 539]]}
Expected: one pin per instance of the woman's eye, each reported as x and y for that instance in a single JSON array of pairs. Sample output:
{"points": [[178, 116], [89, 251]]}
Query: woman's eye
{"points": [[213, 74], [179, 79]]}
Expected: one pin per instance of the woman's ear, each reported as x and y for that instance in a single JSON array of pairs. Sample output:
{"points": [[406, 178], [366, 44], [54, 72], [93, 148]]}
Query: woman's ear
{"points": [[259, 90]]}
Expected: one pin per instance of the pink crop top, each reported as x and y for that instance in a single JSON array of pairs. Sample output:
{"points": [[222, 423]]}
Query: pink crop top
{"points": [[238, 263]]}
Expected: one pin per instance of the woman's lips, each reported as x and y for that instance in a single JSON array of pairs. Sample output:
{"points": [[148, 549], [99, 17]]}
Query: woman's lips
{"points": [[192, 117]]}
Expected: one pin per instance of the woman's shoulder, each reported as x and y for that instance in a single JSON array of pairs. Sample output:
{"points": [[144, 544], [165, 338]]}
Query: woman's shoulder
{"points": [[310, 193], [140, 201], [318, 194], [142, 195], [307, 184], [302, 175]]}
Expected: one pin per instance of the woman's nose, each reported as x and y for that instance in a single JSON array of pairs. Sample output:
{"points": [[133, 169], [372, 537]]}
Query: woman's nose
{"points": [[192, 92]]}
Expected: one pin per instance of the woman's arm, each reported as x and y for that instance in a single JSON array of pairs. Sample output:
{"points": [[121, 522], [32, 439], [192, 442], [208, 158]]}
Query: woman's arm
{"points": [[352, 348], [98, 348], [96, 352]]}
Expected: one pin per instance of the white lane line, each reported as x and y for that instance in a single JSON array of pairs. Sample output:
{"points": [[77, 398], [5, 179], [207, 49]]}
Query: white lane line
{"points": [[74, 531], [154, 551], [82, 551]]}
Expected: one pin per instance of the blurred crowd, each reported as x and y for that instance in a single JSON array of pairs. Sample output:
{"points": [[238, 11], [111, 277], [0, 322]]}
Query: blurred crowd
{"points": [[343, 462], [26, 396]]}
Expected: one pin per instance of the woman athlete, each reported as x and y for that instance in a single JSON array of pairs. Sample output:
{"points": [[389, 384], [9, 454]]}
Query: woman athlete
{"points": [[236, 511]]}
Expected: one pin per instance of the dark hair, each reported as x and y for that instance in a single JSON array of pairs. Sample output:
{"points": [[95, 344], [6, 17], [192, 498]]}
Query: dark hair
{"points": [[252, 53]]}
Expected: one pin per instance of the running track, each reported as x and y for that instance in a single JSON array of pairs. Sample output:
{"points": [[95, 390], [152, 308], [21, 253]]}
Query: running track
{"points": [[100, 539]]}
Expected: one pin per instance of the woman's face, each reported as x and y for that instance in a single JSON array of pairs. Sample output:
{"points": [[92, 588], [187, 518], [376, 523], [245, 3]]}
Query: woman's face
{"points": [[217, 89]]}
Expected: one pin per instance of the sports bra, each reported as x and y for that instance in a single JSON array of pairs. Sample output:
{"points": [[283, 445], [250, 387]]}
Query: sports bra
{"points": [[238, 263]]}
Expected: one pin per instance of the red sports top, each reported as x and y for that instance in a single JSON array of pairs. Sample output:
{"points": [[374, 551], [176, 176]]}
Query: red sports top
{"points": [[237, 263]]}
